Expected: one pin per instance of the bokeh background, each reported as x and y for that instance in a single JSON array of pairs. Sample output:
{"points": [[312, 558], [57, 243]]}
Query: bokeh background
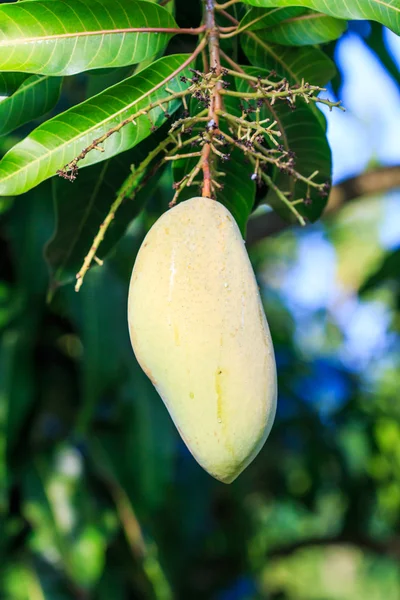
{"points": [[100, 499]]}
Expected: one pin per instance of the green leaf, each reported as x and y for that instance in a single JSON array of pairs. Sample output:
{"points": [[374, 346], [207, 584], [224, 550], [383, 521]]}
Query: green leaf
{"points": [[386, 12], [387, 272], [310, 64], [376, 43], [10, 82], [63, 38], [309, 28], [259, 18], [28, 227], [303, 135], [81, 210], [36, 96], [238, 193], [56, 142]]}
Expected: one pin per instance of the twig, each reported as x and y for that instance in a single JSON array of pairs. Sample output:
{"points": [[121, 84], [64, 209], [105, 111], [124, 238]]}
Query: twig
{"points": [[134, 183], [70, 170], [71, 167], [226, 4], [228, 16], [376, 181]]}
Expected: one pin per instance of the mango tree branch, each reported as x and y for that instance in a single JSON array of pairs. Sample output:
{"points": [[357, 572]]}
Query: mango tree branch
{"points": [[215, 100], [376, 181]]}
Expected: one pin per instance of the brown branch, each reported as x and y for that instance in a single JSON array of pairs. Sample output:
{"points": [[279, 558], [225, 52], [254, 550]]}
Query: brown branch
{"points": [[389, 547], [228, 16], [215, 100], [378, 181]]}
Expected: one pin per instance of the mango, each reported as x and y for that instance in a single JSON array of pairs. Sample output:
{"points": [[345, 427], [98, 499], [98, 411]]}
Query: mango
{"points": [[199, 332]]}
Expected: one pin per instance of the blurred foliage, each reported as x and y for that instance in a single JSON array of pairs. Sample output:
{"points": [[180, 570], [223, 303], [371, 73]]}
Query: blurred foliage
{"points": [[99, 497]]}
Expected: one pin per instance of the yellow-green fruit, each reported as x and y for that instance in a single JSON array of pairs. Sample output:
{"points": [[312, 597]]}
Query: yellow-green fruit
{"points": [[199, 332]]}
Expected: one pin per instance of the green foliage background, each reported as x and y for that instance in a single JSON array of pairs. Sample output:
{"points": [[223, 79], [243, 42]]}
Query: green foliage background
{"points": [[99, 498]]}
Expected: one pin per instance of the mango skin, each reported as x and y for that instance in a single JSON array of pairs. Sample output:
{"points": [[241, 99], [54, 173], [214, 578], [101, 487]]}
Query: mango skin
{"points": [[199, 332]]}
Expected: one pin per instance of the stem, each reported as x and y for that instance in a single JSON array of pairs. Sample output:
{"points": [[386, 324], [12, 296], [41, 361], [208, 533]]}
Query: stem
{"points": [[179, 156], [229, 17], [240, 30], [240, 75], [281, 196], [134, 183], [215, 100], [228, 31]]}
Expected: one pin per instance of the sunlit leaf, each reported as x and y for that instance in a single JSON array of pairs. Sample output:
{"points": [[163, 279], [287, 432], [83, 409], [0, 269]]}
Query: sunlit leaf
{"points": [[57, 141], [62, 38], [309, 28], [308, 63], [386, 12], [259, 18], [81, 208]]}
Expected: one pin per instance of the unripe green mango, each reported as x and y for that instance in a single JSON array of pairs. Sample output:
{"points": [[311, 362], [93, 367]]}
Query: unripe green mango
{"points": [[199, 332]]}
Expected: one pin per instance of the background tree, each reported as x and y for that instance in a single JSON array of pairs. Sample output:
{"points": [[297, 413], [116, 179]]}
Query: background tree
{"points": [[137, 105]]}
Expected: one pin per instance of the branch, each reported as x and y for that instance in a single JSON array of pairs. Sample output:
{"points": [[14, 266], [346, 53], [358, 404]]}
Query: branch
{"points": [[378, 181], [389, 547], [130, 188], [215, 100]]}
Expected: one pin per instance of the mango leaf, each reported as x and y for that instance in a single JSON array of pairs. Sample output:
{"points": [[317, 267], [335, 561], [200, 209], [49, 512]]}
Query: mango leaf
{"points": [[259, 18], [309, 28], [36, 96], [81, 210], [31, 221], [376, 42], [386, 12], [57, 141], [310, 64], [303, 135], [10, 82], [63, 38], [238, 193], [387, 272]]}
